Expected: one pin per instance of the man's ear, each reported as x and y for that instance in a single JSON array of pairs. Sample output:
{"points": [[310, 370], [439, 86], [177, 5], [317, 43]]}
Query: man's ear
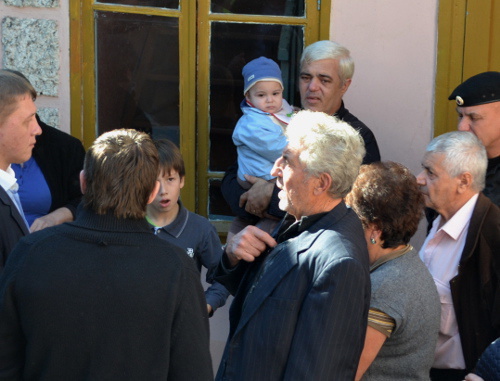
{"points": [[154, 192], [465, 182], [323, 183], [83, 182], [345, 86]]}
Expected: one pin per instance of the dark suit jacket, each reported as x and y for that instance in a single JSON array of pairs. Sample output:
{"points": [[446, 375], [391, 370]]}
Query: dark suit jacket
{"points": [[60, 157], [306, 317], [476, 287], [12, 226]]}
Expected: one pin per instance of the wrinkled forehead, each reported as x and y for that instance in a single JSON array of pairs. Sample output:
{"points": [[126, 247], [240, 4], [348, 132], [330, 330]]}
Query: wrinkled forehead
{"points": [[293, 149], [324, 67], [485, 109], [433, 160]]}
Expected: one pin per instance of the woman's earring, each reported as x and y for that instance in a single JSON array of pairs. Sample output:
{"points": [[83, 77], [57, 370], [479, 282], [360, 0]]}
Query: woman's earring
{"points": [[372, 240]]}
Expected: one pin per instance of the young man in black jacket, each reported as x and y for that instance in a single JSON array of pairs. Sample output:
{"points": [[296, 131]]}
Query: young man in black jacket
{"points": [[102, 298]]}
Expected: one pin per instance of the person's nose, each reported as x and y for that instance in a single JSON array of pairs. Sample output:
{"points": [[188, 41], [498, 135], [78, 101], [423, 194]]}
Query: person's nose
{"points": [[314, 84], [163, 189], [276, 170], [421, 179], [463, 124], [37, 130]]}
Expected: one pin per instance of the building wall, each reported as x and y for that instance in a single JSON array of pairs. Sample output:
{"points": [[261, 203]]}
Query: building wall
{"points": [[35, 41], [393, 44], [394, 47]]}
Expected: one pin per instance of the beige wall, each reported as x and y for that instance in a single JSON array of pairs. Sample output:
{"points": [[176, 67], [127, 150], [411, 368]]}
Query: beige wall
{"points": [[393, 44]]}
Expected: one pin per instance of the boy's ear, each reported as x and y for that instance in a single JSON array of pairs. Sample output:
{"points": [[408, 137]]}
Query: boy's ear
{"points": [[83, 182], [181, 183], [154, 192]]}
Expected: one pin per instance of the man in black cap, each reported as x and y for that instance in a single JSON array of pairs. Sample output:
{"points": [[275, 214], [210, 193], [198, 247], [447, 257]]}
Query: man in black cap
{"points": [[478, 108]]}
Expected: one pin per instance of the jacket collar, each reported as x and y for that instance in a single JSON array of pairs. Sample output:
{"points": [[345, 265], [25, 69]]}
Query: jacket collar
{"points": [[177, 226], [479, 214], [14, 212], [341, 112]]}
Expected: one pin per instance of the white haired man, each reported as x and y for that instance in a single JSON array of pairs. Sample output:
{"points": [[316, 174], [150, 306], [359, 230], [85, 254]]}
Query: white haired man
{"points": [[461, 251], [301, 300]]}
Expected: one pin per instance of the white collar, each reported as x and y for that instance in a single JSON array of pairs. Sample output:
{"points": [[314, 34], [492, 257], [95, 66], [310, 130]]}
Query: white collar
{"points": [[8, 179], [456, 224]]}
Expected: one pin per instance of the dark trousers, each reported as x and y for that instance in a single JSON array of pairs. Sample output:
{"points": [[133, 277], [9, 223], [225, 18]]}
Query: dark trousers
{"points": [[448, 374]]}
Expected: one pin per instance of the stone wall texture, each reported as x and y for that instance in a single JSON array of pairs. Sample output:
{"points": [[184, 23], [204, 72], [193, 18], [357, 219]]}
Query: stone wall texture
{"points": [[33, 3], [31, 46], [49, 116]]}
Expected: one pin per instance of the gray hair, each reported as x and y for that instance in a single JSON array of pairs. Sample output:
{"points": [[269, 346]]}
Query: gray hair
{"points": [[463, 152], [12, 87], [326, 49], [328, 145]]}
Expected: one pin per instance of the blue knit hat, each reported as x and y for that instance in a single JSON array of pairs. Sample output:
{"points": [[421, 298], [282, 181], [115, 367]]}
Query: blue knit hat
{"points": [[260, 69]]}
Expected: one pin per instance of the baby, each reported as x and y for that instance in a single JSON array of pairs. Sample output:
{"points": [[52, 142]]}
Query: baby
{"points": [[258, 135]]}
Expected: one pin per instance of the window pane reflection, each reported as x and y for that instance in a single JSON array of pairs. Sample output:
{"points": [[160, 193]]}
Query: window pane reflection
{"points": [[171, 4], [218, 208], [138, 74], [233, 45], [267, 7]]}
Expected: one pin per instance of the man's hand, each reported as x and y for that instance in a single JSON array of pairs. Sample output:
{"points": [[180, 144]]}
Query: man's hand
{"points": [[248, 244], [257, 199], [56, 217]]}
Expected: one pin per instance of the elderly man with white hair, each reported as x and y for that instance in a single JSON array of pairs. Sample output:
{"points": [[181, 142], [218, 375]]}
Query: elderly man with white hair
{"points": [[462, 251], [302, 296]]}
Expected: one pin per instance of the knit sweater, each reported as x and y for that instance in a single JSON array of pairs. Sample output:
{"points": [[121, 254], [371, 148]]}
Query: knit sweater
{"points": [[102, 298]]}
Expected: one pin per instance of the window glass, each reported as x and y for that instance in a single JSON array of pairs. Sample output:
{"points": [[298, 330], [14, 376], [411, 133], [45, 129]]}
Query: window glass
{"points": [[218, 208], [267, 7], [232, 46], [171, 4], [137, 75]]}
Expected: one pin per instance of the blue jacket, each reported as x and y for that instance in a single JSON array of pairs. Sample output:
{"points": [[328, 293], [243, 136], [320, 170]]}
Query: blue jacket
{"points": [[259, 140]]}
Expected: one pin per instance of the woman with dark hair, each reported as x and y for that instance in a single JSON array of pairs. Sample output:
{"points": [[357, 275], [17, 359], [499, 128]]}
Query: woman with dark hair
{"points": [[403, 320]]}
